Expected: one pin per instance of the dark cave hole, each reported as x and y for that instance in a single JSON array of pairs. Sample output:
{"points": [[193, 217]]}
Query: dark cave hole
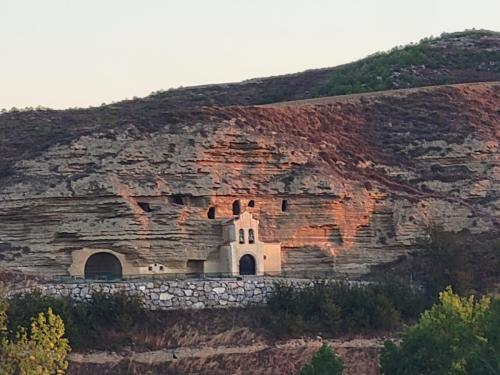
{"points": [[211, 213], [284, 205], [177, 199], [145, 206]]}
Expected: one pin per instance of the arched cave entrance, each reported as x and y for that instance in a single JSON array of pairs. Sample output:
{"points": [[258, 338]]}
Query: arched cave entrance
{"points": [[247, 265], [103, 266]]}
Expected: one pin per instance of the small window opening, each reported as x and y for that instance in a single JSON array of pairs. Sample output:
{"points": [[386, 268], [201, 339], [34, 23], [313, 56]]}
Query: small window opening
{"points": [[265, 257], [251, 237], [242, 236], [150, 268], [177, 199], [284, 205], [211, 213], [144, 206], [251, 203], [195, 266], [161, 268], [236, 208]]}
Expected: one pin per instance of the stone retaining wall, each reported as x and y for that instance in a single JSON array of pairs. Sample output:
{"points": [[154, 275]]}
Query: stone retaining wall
{"points": [[175, 294]]}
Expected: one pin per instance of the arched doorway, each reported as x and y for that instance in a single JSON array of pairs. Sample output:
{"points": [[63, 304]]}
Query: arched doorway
{"points": [[103, 266], [247, 265], [236, 208]]}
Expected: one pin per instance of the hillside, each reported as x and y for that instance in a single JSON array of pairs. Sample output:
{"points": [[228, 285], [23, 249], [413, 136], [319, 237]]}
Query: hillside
{"points": [[361, 178], [385, 169], [472, 56]]}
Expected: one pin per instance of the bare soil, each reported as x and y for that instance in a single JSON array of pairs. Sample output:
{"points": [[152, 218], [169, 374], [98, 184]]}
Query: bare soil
{"points": [[360, 356]]}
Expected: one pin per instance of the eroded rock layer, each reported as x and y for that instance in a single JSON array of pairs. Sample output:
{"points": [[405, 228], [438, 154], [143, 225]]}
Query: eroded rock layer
{"points": [[342, 183]]}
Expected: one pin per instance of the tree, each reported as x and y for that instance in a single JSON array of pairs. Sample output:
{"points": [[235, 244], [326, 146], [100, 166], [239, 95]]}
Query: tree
{"points": [[324, 362], [447, 262], [42, 351], [457, 336]]}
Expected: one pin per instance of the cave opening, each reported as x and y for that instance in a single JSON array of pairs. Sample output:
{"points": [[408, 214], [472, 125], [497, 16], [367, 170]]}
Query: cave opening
{"points": [[211, 213], [284, 205], [103, 266], [145, 206], [251, 203], [195, 267], [177, 199]]}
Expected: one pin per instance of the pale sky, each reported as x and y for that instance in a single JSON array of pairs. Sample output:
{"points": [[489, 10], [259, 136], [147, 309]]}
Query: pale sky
{"points": [[68, 53]]}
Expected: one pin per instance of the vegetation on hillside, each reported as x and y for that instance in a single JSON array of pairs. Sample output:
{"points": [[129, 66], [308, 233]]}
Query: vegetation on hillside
{"points": [[41, 350], [459, 57], [324, 362], [335, 308], [459, 335], [469, 264], [414, 65], [86, 322]]}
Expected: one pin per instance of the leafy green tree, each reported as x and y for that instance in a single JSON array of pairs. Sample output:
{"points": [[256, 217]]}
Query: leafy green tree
{"points": [[324, 362], [41, 352], [447, 256], [457, 336], [487, 356]]}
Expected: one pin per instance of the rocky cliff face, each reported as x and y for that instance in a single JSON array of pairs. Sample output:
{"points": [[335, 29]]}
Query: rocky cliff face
{"points": [[342, 183]]}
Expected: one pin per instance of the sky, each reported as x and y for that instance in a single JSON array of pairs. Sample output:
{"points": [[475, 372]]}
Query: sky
{"points": [[80, 53]]}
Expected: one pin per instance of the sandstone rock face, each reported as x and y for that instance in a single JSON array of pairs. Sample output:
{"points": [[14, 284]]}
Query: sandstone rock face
{"points": [[342, 183]]}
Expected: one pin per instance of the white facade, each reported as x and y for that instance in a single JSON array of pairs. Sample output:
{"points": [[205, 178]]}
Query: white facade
{"points": [[243, 252]]}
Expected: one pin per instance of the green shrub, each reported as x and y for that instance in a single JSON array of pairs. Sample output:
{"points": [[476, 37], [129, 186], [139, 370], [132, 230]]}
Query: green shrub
{"points": [[42, 350], [411, 301], [119, 311], [363, 307], [309, 309], [458, 335], [86, 321], [23, 307], [468, 263], [446, 262], [284, 324], [340, 307], [324, 362], [488, 352], [105, 313]]}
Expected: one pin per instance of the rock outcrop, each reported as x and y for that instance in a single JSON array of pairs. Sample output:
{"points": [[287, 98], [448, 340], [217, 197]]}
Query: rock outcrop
{"points": [[343, 183]]}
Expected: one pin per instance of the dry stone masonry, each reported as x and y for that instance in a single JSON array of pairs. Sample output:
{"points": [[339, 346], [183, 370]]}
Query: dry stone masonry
{"points": [[177, 294]]}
